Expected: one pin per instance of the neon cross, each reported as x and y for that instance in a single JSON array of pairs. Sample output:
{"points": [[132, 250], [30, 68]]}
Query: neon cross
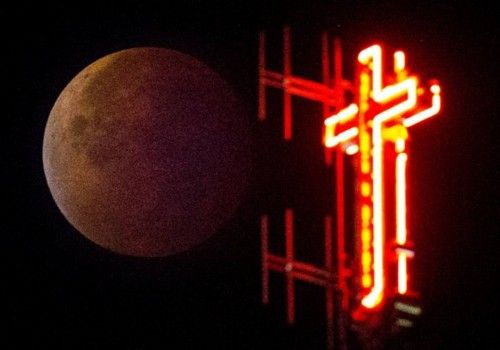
{"points": [[380, 118]]}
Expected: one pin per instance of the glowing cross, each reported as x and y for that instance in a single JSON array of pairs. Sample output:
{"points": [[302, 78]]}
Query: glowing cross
{"points": [[370, 128]]}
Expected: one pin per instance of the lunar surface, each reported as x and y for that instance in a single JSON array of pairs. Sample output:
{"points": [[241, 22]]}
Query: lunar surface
{"points": [[146, 152]]}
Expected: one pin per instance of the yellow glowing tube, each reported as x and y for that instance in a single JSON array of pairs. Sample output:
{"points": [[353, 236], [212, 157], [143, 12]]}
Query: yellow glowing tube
{"points": [[366, 189], [399, 61], [400, 145], [401, 160], [401, 233], [379, 94], [400, 99], [429, 112], [342, 116], [352, 149], [408, 86], [331, 140], [375, 296], [366, 280]]}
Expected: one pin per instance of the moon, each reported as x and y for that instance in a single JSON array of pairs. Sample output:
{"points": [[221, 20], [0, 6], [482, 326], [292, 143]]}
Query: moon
{"points": [[146, 152]]}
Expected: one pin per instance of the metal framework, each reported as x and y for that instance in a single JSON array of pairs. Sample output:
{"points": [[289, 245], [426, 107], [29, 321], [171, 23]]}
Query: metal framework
{"points": [[374, 130], [330, 93]]}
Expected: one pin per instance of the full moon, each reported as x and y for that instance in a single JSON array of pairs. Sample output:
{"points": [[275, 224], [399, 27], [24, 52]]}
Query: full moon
{"points": [[146, 152]]}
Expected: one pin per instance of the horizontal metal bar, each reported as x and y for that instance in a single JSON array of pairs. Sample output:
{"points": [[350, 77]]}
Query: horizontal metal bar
{"points": [[299, 266], [315, 96], [305, 83], [303, 88], [272, 83], [303, 276], [298, 82], [330, 101]]}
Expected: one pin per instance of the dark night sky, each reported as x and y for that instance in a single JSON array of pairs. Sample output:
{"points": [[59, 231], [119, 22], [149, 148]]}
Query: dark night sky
{"points": [[62, 291]]}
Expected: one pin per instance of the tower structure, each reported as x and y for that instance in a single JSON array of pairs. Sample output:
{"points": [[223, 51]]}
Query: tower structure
{"points": [[366, 121]]}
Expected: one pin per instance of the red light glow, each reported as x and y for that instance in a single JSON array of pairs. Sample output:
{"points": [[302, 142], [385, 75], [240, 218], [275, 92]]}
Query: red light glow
{"points": [[380, 117], [368, 121]]}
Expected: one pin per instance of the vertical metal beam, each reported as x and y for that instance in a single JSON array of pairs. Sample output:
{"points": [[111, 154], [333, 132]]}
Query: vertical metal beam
{"points": [[262, 70], [325, 70], [287, 98], [325, 59], [337, 54], [290, 287], [339, 171], [329, 287], [264, 244]]}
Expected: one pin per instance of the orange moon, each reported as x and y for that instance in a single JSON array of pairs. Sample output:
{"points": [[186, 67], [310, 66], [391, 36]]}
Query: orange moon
{"points": [[146, 152]]}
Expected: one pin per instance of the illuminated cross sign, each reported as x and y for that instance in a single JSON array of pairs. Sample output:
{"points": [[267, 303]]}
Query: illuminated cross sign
{"points": [[374, 130]]}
